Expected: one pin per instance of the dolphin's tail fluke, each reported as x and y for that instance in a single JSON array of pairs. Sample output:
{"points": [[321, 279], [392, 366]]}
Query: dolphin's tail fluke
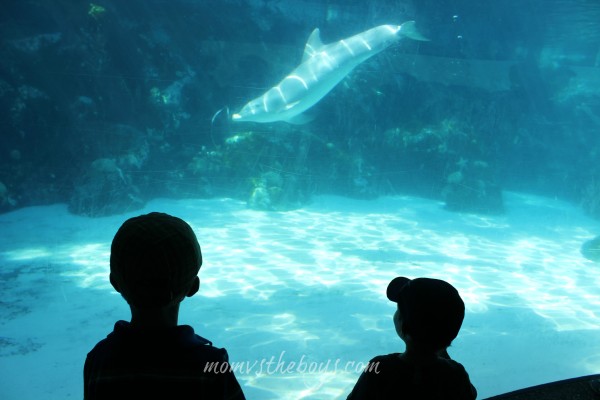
{"points": [[409, 30]]}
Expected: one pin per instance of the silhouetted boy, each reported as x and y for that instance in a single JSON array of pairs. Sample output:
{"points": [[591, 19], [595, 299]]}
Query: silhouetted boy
{"points": [[429, 315], [154, 264]]}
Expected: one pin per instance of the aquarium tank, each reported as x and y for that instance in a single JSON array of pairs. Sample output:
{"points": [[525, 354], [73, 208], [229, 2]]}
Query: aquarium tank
{"points": [[457, 140]]}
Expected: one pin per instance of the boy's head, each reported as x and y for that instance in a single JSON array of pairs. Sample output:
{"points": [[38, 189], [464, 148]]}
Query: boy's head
{"points": [[154, 259], [431, 310]]}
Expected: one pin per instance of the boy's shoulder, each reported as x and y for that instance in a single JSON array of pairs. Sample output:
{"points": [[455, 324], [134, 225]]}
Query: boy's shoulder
{"points": [[177, 342], [395, 362], [170, 363], [392, 374]]}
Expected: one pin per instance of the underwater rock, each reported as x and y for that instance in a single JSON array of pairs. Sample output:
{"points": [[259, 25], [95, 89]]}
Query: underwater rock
{"points": [[470, 189], [6, 201], [33, 44], [3, 191], [15, 155], [590, 199], [275, 191], [260, 199], [104, 190], [171, 95], [591, 249], [267, 191]]}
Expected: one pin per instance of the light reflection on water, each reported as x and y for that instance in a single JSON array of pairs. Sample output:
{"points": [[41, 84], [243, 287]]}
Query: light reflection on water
{"points": [[311, 283]]}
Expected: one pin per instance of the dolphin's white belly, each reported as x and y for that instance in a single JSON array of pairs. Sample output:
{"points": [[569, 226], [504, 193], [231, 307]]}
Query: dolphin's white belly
{"points": [[302, 89], [323, 67]]}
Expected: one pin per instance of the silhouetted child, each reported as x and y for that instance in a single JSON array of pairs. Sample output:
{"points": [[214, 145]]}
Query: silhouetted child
{"points": [[154, 264], [429, 315]]}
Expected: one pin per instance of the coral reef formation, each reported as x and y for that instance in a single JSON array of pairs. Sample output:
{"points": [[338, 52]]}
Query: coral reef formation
{"points": [[590, 198], [591, 249], [103, 109], [471, 188]]}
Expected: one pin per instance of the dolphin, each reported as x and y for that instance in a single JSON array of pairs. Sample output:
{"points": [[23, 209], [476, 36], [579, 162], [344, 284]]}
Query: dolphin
{"points": [[323, 66]]}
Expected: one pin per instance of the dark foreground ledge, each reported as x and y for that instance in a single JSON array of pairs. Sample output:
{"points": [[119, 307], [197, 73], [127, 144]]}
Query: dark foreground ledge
{"points": [[569, 389]]}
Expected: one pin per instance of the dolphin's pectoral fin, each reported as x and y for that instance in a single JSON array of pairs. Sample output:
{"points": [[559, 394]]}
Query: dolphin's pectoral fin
{"points": [[291, 105], [313, 44]]}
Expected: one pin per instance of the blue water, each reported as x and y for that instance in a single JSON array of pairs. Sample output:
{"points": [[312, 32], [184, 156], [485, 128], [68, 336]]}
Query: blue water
{"points": [[308, 286], [470, 157]]}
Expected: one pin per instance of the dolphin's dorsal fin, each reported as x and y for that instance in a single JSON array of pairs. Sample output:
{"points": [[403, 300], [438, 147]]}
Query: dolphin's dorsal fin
{"points": [[313, 44]]}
